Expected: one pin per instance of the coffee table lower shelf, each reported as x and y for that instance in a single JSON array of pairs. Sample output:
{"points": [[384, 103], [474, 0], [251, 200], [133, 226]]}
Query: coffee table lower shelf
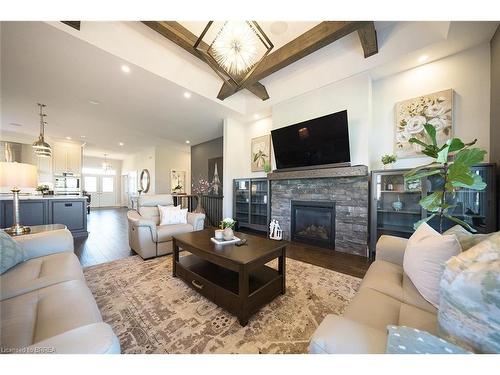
{"points": [[222, 286]]}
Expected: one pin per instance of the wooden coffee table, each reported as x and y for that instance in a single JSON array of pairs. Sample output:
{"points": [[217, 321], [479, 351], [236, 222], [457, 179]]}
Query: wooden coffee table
{"points": [[235, 278]]}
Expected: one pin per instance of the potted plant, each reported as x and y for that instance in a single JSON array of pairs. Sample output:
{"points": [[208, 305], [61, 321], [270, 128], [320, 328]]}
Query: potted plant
{"points": [[227, 225], [267, 167], [388, 160], [452, 167], [177, 189], [42, 189]]}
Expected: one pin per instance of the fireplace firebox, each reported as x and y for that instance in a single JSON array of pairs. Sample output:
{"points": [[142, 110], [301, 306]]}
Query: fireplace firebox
{"points": [[313, 222]]}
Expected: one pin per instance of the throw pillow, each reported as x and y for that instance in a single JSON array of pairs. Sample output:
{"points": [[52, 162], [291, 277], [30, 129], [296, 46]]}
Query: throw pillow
{"points": [[11, 253], [425, 254], [466, 238], [407, 340], [170, 215], [469, 308]]}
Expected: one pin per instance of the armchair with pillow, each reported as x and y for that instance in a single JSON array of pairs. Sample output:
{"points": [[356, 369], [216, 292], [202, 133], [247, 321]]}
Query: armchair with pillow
{"points": [[154, 223]]}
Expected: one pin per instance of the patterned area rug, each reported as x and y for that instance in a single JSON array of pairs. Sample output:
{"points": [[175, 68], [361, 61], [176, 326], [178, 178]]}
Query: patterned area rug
{"points": [[152, 312]]}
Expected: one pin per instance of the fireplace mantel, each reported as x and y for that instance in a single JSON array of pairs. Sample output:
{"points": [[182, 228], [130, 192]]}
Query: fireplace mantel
{"points": [[354, 171]]}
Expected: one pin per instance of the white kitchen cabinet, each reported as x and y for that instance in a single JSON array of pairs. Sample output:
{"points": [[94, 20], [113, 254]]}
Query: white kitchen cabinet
{"points": [[67, 157]]}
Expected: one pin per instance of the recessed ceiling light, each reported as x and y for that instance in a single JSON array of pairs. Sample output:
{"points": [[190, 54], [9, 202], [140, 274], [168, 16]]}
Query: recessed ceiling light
{"points": [[125, 69], [188, 142], [82, 136], [15, 124], [256, 116], [187, 95], [95, 102], [121, 143], [68, 138], [423, 58]]}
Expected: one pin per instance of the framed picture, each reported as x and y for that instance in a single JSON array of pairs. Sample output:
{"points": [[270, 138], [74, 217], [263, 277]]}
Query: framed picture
{"points": [[178, 181], [411, 115], [215, 175], [260, 152]]}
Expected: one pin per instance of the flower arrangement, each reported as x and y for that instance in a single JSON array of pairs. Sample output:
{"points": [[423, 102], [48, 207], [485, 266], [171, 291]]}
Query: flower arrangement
{"points": [[227, 223], [42, 188], [433, 109], [388, 159], [201, 187]]}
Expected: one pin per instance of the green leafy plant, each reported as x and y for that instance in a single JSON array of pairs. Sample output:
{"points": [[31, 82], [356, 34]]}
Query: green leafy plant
{"points": [[267, 167], [388, 159], [452, 165], [42, 187]]}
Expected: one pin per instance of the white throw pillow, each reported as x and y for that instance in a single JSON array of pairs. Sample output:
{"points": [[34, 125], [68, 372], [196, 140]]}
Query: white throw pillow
{"points": [[425, 255], [170, 215]]}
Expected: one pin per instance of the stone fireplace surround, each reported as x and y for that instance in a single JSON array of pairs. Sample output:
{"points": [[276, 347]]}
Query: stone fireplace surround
{"points": [[346, 186]]}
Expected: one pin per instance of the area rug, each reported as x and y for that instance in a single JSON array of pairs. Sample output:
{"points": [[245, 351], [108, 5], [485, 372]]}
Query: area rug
{"points": [[153, 312]]}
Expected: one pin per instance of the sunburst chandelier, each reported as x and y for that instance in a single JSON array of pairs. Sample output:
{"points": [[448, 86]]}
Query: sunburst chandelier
{"points": [[233, 48], [42, 148]]}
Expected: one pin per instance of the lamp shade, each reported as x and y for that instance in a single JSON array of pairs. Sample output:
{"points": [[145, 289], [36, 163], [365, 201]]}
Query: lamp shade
{"points": [[18, 175]]}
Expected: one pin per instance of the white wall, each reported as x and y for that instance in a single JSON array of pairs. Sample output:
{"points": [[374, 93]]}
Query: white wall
{"points": [[237, 158], [370, 106], [166, 160], [352, 94], [467, 73], [139, 161]]}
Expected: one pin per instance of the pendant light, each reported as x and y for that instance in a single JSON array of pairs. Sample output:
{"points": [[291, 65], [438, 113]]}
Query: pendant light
{"points": [[105, 165], [42, 148]]}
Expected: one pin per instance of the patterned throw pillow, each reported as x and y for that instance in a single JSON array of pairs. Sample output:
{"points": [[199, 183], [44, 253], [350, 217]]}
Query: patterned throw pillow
{"points": [[11, 253], [406, 340], [466, 238], [469, 308]]}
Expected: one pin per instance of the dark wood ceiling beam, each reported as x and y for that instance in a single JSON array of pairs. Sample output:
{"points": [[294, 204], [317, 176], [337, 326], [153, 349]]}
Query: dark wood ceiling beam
{"points": [[185, 39], [312, 40], [368, 37]]}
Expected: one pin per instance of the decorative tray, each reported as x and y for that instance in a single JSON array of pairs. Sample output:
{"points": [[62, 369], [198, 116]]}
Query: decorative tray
{"points": [[225, 242]]}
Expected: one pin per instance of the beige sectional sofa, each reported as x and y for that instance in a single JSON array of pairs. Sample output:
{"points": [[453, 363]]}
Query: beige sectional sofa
{"points": [[386, 296], [149, 239], [45, 304]]}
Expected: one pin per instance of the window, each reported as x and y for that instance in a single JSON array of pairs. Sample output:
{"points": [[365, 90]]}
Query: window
{"points": [[90, 184], [107, 184]]}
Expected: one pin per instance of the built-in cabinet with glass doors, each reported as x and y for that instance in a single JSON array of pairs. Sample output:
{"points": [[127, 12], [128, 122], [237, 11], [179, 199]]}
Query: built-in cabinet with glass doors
{"points": [[394, 207], [251, 197]]}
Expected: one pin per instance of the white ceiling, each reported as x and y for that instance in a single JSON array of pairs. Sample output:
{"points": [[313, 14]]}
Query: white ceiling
{"points": [[42, 64], [66, 68]]}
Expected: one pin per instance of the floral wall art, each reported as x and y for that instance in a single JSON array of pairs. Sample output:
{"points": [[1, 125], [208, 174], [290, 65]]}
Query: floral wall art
{"points": [[261, 152], [411, 115]]}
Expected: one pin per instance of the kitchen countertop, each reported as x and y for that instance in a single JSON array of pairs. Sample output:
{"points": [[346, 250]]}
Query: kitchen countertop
{"points": [[33, 197]]}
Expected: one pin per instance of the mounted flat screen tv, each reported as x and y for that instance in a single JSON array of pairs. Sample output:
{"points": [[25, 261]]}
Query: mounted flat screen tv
{"points": [[320, 141]]}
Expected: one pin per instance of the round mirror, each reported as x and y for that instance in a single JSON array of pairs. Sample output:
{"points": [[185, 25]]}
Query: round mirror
{"points": [[145, 180]]}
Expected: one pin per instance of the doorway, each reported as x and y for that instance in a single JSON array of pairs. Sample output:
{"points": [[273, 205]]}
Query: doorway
{"points": [[102, 190]]}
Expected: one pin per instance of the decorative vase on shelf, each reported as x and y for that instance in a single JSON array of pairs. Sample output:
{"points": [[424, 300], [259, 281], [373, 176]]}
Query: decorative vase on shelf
{"points": [[228, 234], [397, 205]]}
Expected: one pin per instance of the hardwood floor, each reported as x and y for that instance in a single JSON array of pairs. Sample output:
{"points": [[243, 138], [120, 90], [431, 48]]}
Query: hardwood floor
{"points": [[108, 237], [108, 240]]}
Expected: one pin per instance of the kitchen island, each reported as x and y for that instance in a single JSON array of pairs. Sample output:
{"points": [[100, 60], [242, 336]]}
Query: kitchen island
{"points": [[50, 209]]}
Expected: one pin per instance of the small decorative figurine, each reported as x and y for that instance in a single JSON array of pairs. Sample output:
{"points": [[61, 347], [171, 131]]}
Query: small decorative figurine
{"points": [[275, 231]]}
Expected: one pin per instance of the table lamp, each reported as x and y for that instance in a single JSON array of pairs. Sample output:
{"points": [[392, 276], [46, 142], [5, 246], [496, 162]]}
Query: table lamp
{"points": [[16, 176]]}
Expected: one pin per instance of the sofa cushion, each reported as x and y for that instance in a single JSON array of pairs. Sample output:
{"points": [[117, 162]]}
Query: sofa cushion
{"points": [[425, 254], [47, 312], [389, 279], [373, 309], [469, 309], [11, 253], [165, 232], [39, 273], [466, 238], [170, 215], [147, 205], [340, 335], [412, 316], [408, 340]]}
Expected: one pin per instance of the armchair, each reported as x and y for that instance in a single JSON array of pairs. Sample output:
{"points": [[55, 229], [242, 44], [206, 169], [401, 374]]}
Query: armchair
{"points": [[149, 239]]}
